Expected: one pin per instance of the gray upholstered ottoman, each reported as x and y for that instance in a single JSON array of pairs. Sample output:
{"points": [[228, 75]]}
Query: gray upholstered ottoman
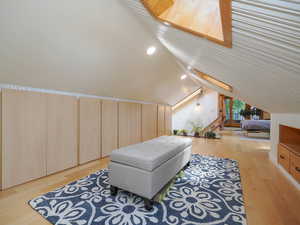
{"points": [[145, 168]]}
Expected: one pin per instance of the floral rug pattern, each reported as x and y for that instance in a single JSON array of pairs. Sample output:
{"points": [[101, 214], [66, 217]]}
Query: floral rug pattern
{"points": [[209, 193]]}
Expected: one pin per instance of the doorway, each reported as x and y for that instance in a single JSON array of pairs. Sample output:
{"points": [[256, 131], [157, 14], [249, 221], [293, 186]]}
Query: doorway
{"points": [[233, 108]]}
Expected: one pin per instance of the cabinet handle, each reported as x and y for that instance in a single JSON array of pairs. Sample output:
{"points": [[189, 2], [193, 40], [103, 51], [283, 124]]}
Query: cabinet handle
{"points": [[282, 157], [297, 169]]}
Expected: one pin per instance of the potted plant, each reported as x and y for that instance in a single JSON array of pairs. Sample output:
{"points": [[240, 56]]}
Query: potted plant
{"points": [[256, 113], [210, 135], [175, 132], [243, 113], [184, 132], [246, 113], [196, 128], [197, 131]]}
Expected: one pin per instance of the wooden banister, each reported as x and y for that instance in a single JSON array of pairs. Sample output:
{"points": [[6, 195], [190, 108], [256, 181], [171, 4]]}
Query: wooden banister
{"points": [[217, 123]]}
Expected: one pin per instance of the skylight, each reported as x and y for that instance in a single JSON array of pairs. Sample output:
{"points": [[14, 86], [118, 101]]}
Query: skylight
{"points": [[210, 19]]}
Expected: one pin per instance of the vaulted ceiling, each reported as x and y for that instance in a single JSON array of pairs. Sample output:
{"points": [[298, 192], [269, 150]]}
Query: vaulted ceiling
{"points": [[90, 47], [99, 48], [263, 65]]}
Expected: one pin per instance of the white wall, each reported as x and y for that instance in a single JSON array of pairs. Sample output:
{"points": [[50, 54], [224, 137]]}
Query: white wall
{"points": [[92, 47], [207, 112], [292, 120]]}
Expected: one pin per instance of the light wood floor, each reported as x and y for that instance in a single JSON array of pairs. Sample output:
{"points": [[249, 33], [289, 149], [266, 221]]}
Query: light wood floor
{"points": [[269, 198]]}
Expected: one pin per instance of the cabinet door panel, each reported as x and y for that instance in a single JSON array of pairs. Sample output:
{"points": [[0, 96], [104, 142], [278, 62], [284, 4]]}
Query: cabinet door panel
{"points": [[90, 129], [295, 166], [24, 136], [109, 127], [284, 157], [168, 120], [161, 120], [130, 118], [149, 121], [61, 133], [1, 152]]}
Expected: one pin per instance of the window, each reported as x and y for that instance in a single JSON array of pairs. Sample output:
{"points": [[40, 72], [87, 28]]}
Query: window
{"points": [[233, 108]]}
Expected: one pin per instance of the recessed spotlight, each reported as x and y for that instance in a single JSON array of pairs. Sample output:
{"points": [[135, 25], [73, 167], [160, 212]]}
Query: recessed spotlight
{"points": [[183, 77], [151, 50]]}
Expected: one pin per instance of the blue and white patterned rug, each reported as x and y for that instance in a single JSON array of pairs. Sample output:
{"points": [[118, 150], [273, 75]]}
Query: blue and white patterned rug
{"points": [[209, 193]]}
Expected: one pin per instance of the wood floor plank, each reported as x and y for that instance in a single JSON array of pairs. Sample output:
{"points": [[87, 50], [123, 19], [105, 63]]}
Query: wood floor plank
{"points": [[269, 197]]}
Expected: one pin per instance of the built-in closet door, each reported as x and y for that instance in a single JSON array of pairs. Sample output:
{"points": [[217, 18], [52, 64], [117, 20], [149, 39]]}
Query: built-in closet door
{"points": [[161, 120], [109, 127], [168, 120], [130, 118], [89, 129], [1, 163], [149, 121], [24, 136], [61, 132]]}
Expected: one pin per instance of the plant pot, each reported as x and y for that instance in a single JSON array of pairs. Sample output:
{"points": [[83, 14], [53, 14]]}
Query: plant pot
{"points": [[210, 135], [196, 134], [184, 134], [213, 136]]}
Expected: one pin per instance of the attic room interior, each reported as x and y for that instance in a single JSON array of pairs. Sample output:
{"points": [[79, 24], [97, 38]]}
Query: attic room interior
{"points": [[143, 112]]}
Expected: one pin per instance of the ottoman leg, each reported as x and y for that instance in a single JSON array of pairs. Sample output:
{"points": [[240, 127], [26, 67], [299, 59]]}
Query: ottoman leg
{"points": [[148, 204], [188, 164], [113, 190]]}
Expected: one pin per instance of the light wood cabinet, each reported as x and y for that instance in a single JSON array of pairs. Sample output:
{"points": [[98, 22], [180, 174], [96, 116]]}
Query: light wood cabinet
{"points": [[161, 120], [149, 121], [289, 159], [109, 127], [61, 132], [24, 136], [289, 150], [168, 120], [47, 133], [1, 162], [89, 129], [295, 166], [130, 128], [284, 157]]}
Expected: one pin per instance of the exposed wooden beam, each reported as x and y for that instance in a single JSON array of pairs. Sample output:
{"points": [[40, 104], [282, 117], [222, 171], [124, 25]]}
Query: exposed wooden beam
{"points": [[187, 98], [213, 80]]}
